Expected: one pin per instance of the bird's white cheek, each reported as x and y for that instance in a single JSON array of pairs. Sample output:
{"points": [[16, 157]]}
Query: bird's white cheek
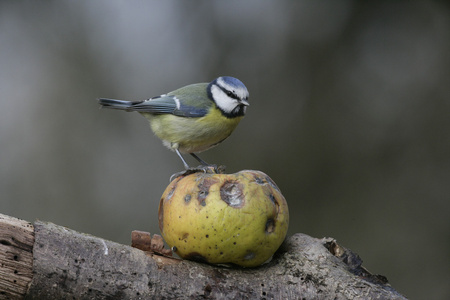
{"points": [[222, 100]]}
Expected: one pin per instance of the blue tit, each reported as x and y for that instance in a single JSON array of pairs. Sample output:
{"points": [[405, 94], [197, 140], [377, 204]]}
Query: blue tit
{"points": [[193, 118]]}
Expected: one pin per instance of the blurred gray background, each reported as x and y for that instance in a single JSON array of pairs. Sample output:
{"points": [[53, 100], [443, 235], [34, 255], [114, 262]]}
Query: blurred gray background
{"points": [[350, 115]]}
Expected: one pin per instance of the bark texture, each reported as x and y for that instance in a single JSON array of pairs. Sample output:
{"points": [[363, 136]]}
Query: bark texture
{"points": [[71, 265], [16, 257]]}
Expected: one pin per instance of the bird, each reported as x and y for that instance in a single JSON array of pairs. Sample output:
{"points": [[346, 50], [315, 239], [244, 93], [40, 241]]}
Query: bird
{"points": [[193, 118]]}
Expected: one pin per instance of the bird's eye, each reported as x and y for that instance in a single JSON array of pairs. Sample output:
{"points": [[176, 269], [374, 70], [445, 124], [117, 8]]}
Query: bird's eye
{"points": [[230, 94]]}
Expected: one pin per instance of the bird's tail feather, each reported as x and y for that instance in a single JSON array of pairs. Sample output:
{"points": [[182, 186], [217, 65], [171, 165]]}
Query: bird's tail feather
{"points": [[115, 104]]}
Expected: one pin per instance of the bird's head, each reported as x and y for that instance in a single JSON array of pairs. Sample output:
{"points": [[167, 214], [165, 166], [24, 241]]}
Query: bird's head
{"points": [[230, 96]]}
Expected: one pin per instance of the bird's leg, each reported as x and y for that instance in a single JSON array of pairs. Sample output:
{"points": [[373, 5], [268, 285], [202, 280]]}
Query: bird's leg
{"points": [[204, 167], [189, 170], [186, 166], [204, 163]]}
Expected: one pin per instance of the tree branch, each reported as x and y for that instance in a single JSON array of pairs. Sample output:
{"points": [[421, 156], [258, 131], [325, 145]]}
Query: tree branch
{"points": [[67, 264], [16, 257]]}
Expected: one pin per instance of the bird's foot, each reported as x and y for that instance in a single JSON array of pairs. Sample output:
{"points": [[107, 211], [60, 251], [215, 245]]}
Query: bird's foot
{"points": [[209, 169]]}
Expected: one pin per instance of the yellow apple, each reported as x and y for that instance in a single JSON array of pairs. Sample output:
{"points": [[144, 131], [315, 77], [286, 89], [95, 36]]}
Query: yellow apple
{"points": [[239, 218]]}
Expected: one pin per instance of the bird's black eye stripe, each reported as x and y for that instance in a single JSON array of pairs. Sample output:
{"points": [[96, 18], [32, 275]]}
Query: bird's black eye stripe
{"points": [[228, 92], [232, 95]]}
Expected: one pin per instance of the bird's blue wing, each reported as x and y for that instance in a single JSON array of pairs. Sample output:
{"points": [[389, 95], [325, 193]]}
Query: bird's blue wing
{"points": [[156, 105], [166, 104], [191, 101]]}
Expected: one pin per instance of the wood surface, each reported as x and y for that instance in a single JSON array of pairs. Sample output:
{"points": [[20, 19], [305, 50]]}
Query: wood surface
{"points": [[70, 265]]}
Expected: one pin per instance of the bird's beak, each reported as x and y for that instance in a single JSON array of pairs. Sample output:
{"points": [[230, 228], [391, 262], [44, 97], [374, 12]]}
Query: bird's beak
{"points": [[244, 102]]}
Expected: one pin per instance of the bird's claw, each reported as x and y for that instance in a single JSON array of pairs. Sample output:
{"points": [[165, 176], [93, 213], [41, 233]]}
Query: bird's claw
{"points": [[210, 169]]}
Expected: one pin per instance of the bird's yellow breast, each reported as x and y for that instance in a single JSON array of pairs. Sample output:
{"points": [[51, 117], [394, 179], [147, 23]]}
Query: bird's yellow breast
{"points": [[192, 134]]}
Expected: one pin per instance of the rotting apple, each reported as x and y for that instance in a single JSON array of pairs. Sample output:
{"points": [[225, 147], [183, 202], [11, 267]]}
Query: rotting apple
{"points": [[239, 218]]}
